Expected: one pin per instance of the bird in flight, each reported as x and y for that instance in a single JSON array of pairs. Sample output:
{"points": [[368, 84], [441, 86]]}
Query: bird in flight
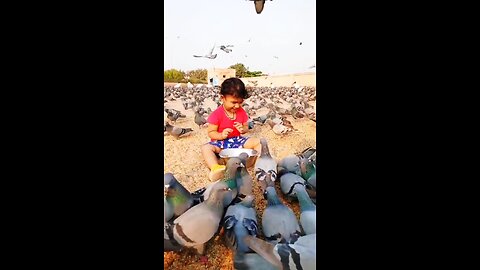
{"points": [[225, 48], [209, 56], [313, 66]]}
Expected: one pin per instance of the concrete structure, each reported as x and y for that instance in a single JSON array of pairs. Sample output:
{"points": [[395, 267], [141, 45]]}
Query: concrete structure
{"points": [[216, 76], [302, 79]]}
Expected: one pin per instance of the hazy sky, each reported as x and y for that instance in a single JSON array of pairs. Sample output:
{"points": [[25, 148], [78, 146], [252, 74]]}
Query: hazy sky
{"points": [[194, 26]]}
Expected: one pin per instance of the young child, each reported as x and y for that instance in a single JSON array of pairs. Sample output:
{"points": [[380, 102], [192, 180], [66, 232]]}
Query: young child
{"points": [[226, 125]]}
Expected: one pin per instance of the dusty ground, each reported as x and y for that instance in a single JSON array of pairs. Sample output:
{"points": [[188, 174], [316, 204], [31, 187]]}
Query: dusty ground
{"points": [[183, 159]]}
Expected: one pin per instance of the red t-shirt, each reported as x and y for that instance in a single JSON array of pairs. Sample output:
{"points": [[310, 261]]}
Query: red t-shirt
{"points": [[220, 119]]}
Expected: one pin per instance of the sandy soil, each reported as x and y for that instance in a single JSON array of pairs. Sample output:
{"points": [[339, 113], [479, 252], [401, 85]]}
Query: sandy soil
{"points": [[183, 159]]}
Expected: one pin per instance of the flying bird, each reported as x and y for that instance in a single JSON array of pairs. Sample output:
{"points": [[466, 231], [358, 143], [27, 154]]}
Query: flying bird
{"points": [[225, 48], [312, 66], [300, 43], [209, 56]]}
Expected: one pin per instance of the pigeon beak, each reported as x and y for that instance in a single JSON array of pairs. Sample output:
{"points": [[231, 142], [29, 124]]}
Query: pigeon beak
{"points": [[241, 165]]}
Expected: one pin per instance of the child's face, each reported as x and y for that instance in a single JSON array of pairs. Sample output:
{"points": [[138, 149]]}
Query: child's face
{"points": [[231, 103]]}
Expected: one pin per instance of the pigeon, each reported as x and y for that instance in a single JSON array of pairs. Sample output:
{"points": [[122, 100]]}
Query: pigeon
{"points": [[309, 171], [300, 43], [263, 118], [233, 164], [289, 163], [199, 224], [307, 152], [308, 216], [278, 129], [177, 132], [302, 254], [250, 124], [265, 166], [173, 116], [225, 48], [240, 220], [288, 181], [287, 123], [199, 120], [177, 196], [278, 221], [209, 56], [251, 261], [244, 180]]}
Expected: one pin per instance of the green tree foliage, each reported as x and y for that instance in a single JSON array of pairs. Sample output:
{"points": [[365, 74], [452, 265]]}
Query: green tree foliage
{"points": [[253, 74], [197, 76], [173, 75], [241, 71]]}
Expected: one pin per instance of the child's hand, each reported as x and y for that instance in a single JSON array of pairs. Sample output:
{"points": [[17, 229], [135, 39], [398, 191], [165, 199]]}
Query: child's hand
{"points": [[225, 132], [238, 126]]}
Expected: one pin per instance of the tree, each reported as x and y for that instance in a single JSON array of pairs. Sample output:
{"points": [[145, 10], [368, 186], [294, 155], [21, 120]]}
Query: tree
{"points": [[253, 73], [173, 75], [197, 76], [241, 71]]}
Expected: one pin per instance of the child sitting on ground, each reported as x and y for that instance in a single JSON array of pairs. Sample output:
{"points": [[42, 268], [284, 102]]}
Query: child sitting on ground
{"points": [[226, 125]]}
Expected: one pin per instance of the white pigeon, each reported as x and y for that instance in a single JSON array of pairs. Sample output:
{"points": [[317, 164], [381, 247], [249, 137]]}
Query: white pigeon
{"points": [[209, 55]]}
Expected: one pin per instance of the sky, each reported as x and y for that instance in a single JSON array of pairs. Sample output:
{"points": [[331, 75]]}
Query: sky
{"points": [[195, 26]]}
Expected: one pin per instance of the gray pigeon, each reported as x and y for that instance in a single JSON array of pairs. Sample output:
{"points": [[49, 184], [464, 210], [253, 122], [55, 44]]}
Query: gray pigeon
{"points": [[225, 48], [265, 165], [177, 197], [288, 182], [200, 223], [233, 164], [307, 152], [278, 221], [308, 216], [199, 120], [251, 261], [240, 220], [289, 163], [309, 171], [278, 129], [177, 132], [302, 254], [244, 179]]}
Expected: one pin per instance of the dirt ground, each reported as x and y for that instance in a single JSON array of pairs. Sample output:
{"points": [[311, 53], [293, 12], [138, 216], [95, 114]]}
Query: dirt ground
{"points": [[183, 159]]}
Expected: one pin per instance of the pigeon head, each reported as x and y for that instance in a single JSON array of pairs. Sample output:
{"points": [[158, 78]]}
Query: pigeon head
{"points": [[219, 190], [243, 157]]}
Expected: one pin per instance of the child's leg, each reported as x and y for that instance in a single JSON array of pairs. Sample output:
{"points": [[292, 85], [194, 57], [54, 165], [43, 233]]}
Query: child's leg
{"points": [[253, 143], [208, 153]]}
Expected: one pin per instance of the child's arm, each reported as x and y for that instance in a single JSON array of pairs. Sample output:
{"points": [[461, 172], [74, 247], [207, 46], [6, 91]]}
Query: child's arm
{"points": [[215, 135]]}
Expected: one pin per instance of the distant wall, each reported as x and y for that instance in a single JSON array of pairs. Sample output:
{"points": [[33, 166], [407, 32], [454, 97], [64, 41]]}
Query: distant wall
{"points": [[303, 79], [221, 74]]}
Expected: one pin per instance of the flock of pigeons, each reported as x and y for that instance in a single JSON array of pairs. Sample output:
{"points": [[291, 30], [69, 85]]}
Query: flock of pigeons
{"points": [[210, 55], [297, 99], [226, 49], [225, 207]]}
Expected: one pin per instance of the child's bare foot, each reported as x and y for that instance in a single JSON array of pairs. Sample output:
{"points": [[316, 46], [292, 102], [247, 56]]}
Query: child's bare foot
{"points": [[217, 172]]}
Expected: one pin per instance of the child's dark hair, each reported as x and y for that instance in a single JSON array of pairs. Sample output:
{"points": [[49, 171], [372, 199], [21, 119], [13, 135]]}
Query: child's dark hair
{"points": [[234, 87]]}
